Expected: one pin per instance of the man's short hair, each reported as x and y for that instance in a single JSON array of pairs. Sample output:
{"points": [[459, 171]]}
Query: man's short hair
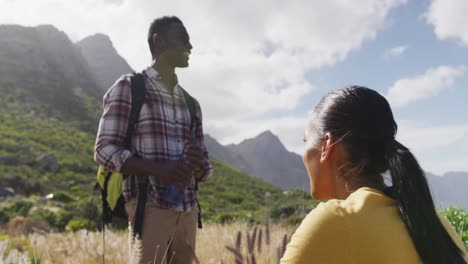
{"points": [[160, 26]]}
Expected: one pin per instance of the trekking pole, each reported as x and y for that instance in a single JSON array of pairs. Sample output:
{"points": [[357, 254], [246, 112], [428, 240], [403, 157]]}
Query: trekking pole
{"points": [[103, 243]]}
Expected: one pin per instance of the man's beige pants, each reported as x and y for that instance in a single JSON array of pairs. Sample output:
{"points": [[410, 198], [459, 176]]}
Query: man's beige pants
{"points": [[168, 236]]}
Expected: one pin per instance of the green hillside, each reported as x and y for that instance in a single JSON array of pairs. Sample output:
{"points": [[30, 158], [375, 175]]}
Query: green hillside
{"points": [[231, 194], [26, 134], [43, 73]]}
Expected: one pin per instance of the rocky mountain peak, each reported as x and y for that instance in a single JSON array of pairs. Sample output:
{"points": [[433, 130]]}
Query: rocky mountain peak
{"points": [[98, 40], [265, 142], [104, 61]]}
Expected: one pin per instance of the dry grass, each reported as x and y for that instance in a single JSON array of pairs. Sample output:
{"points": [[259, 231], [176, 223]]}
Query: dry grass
{"points": [[212, 243], [80, 247], [12, 256], [84, 247]]}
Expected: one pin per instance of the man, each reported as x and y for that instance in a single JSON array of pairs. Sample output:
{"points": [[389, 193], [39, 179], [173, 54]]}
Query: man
{"points": [[159, 149]]}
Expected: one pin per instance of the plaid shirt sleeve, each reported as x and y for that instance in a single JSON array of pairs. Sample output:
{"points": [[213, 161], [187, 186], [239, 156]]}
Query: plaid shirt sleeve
{"points": [[109, 148], [207, 167]]}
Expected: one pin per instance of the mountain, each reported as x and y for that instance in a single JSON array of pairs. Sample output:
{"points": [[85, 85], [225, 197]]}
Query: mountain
{"points": [[224, 154], [271, 161], [103, 60], [31, 55], [266, 158], [43, 72], [449, 189]]}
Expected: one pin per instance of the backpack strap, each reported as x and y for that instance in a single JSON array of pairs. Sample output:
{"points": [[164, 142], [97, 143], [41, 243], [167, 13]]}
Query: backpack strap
{"points": [[192, 107], [137, 83], [191, 104]]}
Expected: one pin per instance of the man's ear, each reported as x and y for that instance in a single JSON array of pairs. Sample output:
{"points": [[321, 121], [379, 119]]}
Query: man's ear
{"points": [[159, 42], [327, 147]]}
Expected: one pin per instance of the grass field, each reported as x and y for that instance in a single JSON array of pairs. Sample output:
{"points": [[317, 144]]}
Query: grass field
{"points": [[83, 247], [216, 243]]}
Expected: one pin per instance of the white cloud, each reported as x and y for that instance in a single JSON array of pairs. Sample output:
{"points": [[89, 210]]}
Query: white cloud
{"points": [[440, 167], [449, 18], [426, 141], [395, 51], [429, 84], [424, 138]]}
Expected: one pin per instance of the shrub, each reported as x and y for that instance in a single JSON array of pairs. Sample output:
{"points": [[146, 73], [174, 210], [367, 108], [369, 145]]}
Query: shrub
{"points": [[18, 207], [77, 224], [63, 217], [62, 197], [232, 197], [458, 218], [49, 216], [225, 218], [281, 210]]}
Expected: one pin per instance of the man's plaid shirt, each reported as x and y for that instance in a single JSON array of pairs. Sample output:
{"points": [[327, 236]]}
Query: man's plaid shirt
{"points": [[158, 135]]}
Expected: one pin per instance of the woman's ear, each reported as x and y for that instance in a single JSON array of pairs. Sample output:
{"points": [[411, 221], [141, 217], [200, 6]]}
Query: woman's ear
{"points": [[327, 147]]}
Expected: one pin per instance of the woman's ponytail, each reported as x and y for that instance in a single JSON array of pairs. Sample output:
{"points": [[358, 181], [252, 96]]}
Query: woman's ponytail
{"points": [[411, 191]]}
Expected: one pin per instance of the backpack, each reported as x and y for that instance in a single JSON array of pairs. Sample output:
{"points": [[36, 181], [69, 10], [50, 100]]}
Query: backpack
{"points": [[110, 184]]}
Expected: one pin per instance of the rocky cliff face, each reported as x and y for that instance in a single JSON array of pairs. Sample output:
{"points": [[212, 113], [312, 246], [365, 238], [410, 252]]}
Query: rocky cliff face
{"points": [[264, 157], [43, 70], [103, 60], [224, 154], [43, 55]]}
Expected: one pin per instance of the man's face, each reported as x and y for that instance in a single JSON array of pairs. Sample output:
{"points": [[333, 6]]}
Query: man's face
{"points": [[178, 46]]}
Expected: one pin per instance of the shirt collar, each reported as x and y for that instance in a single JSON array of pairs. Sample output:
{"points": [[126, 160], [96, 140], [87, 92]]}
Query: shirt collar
{"points": [[153, 74]]}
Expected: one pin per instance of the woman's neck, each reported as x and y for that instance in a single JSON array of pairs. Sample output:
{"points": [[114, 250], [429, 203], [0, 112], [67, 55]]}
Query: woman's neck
{"points": [[375, 182]]}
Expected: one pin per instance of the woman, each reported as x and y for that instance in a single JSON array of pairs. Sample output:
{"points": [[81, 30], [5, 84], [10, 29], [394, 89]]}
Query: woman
{"points": [[350, 142]]}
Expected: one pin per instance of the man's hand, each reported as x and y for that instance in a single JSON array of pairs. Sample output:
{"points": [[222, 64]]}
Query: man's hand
{"points": [[174, 172], [193, 156]]}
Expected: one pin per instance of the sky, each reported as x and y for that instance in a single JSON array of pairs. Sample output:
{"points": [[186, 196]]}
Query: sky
{"points": [[264, 65]]}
